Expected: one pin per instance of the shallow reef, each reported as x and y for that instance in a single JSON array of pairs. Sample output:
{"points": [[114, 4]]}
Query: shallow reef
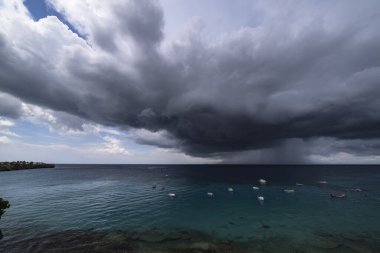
{"points": [[79, 241]]}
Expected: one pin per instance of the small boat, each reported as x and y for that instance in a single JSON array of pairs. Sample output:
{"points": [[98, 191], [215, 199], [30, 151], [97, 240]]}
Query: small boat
{"points": [[338, 195], [260, 198], [231, 189], [322, 182], [210, 194], [255, 188], [154, 186], [355, 190], [288, 190], [172, 195], [299, 184], [263, 181]]}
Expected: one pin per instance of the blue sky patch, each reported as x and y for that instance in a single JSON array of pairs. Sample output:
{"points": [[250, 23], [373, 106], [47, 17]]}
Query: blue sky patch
{"points": [[39, 9]]}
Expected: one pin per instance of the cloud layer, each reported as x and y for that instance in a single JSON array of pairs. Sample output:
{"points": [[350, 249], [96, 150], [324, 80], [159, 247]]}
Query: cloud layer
{"points": [[307, 72]]}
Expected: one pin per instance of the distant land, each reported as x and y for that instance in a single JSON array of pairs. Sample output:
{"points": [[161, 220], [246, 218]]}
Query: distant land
{"points": [[23, 165]]}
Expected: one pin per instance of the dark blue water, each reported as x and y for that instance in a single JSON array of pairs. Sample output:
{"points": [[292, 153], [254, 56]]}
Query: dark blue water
{"points": [[114, 208]]}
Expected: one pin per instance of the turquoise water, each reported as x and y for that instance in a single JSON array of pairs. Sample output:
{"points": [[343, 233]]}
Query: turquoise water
{"points": [[115, 208]]}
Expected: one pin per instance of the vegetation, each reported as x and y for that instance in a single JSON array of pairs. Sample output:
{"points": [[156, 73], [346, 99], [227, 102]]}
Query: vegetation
{"points": [[4, 204], [22, 165]]}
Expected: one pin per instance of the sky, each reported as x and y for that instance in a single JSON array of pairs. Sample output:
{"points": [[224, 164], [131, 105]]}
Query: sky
{"points": [[178, 81]]}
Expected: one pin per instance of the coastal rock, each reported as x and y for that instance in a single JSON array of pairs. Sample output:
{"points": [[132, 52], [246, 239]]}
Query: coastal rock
{"points": [[22, 165], [4, 204]]}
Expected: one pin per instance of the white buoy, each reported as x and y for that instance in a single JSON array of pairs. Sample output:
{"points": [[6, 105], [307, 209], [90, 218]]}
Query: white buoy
{"points": [[263, 181], [260, 198], [210, 194], [255, 188], [231, 189], [171, 194]]}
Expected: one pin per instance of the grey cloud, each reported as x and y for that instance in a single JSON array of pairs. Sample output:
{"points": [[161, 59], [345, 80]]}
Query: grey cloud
{"points": [[68, 122], [357, 147], [143, 20], [289, 78], [161, 138], [10, 106]]}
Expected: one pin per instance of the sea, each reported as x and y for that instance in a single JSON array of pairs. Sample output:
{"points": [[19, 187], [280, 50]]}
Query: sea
{"points": [[127, 208]]}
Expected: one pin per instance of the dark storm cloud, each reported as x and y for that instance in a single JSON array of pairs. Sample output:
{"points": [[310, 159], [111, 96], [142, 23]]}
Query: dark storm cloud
{"points": [[291, 151], [303, 74]]}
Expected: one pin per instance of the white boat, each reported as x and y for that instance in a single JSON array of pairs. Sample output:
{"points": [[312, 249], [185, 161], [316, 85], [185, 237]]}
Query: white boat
{"points": [[298, 184], [288, 190], [172, 195], [260, 198], [231, 189], [210, 194], [338, 195], [263, 181], [322, 182], [255, 188]]}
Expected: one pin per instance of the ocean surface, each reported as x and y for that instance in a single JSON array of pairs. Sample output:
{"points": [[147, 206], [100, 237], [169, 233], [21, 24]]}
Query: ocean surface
{"points": [[126, 208]]}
